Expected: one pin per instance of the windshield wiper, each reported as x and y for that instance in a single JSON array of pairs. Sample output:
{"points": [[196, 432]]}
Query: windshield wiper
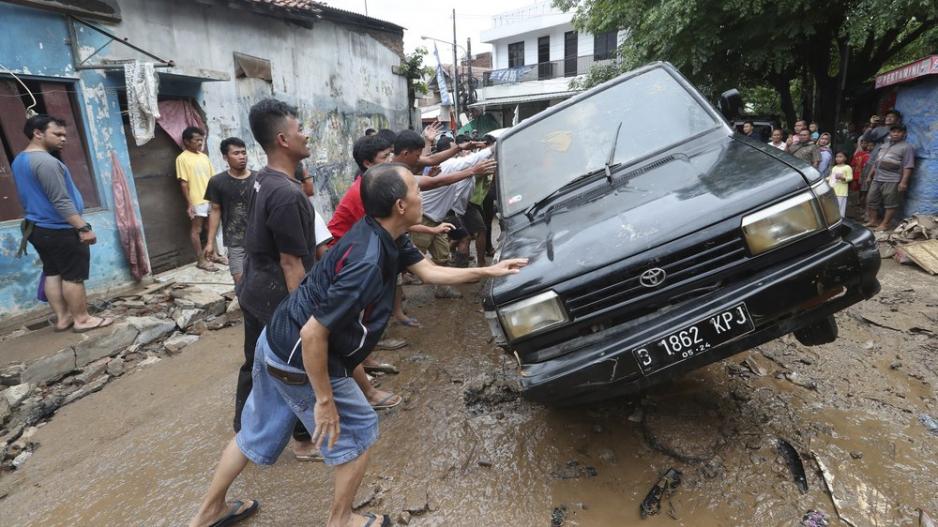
{"points": [[537, 205], [607, 168], [612, 153]]}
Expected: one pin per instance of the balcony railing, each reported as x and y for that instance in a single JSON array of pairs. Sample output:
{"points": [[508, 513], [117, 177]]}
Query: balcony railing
{"points": [[545, 70]]}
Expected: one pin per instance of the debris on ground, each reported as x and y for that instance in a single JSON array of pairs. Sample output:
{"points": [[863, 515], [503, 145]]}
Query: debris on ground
{"points": [[558, 515], [931, 424], [574, 470], [919, 229], [753, 365], [487, 390], [663, 489], [924, 520], [855, 501], [795, 465], [814, 518]]}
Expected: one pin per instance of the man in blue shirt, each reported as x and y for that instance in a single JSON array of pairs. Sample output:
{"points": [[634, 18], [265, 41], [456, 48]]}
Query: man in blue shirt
{"points": [[54, 225], [315, 339]]}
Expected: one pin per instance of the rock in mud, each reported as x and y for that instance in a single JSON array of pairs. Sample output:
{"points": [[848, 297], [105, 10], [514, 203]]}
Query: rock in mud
{"points": [[216, 323], [184, 317], [92, 371], [683, 429], [403, 518], [558, 516], [607, 456], [14, 395], [103, 345], [151, 328], [115, 367], [574, 470], [179, 341], [713, 468], [365, 496], [19, 460], [800, 380], [4, 411], [417, 502], [488, 391]]}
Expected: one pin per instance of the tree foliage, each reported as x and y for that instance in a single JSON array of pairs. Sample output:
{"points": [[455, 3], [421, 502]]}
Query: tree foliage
{"points": [[754, 44], [414, 70]]}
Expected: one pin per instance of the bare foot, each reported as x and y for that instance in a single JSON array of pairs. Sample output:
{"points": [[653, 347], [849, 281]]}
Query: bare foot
{"points": [[881, 228]]}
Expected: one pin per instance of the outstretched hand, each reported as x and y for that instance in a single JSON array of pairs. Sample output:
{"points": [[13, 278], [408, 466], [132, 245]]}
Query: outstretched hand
{"points": [[484, 167], [431, 132], [509, 266]]}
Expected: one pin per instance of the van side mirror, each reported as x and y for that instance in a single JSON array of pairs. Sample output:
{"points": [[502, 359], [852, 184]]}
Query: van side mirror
{"points": [[730, 103]]}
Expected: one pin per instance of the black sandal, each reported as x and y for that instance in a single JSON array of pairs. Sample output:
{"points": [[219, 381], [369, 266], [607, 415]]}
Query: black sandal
{"points": [[385, 520], [233, 516]]}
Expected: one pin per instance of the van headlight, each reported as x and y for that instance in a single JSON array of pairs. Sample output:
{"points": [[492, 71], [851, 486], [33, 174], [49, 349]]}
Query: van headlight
{"points": [[782, 223], [827, 199], [532, 315]]}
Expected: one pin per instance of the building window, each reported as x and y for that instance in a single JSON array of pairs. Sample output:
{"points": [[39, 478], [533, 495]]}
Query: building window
{"points": [[516, 54], [53, 98], [605, 44]]}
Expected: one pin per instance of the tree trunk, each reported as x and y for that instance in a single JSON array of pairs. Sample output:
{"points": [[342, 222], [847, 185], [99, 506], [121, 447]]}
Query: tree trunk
{"points": [[782, 85]]}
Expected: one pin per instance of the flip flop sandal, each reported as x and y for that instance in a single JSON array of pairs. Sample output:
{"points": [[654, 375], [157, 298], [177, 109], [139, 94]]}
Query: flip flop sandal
{"points": [[372, 518], [207, 267], [382, 367], [52, 321], [314, 457], [385, 404], [409, 322], [233, 516], [220, 260], [105, 322]]}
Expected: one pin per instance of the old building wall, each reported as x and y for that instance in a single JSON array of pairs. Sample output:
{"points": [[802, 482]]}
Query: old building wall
{"points": [[34, 43], [339, 76]]}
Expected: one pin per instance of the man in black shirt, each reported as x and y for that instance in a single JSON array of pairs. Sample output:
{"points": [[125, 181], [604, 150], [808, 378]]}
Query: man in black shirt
{"points": [[319, 335], [279, 238], [229, 192]]}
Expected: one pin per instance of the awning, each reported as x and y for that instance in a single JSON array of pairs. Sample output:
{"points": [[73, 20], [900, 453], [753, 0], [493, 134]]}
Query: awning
{"points": [[521, 99], [430, 112]]}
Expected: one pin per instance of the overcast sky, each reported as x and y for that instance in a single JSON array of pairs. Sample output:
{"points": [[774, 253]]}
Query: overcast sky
{"points": [[435, 19]]}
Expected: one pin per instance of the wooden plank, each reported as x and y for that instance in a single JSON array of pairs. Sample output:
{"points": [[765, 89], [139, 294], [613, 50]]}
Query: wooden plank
{"points": [[57, 101], [924, 254], [10, 208]]}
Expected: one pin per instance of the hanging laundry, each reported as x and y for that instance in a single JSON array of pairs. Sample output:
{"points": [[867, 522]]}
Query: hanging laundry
{"points": [[142, 86], [127, 227]]}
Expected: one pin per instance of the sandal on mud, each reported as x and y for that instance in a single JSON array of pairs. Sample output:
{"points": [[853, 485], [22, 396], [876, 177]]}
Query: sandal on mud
{"points": [[386, 403], [382, 367], [233, 516], [103, 322], [372, 518], [315, 457], [207, 267], [410, 322]]}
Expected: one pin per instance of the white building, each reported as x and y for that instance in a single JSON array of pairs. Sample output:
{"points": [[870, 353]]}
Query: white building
{"points": [[536, 53]]}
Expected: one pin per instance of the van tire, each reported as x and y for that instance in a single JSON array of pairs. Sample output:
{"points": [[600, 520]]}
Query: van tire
{"points": [[823, 331]]}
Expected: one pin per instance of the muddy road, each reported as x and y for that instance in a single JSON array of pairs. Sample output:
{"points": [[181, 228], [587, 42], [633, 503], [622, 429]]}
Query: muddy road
{"points": [[140, 451]]}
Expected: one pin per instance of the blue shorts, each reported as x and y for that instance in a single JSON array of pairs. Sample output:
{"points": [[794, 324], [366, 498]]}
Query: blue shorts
{"points": [[273, 406]]}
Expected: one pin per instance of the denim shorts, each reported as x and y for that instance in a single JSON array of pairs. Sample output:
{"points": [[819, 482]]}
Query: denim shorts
{"points": [[273, 406]]}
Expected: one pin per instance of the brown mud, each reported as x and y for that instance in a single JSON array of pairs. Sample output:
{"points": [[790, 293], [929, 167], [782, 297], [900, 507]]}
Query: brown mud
{"points": [[465, 450]]}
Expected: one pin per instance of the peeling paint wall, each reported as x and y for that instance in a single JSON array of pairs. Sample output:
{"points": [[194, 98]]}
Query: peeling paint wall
{"points": [[340, 78], [35, 43]]}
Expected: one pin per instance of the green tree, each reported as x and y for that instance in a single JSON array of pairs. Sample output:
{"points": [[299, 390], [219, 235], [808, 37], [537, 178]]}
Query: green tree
{"points": [[416, 73], [720, 44]]}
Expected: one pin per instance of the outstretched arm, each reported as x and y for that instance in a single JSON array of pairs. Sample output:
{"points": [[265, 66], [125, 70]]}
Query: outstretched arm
{"points": [[431, 273], [484, 167]]}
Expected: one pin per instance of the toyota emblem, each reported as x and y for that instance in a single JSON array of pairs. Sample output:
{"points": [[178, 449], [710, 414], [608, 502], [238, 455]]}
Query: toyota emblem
{"points": [[653, 277]]}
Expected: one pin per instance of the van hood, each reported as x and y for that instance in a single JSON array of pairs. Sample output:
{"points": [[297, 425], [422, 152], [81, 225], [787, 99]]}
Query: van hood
{"points": [[644, 207]]}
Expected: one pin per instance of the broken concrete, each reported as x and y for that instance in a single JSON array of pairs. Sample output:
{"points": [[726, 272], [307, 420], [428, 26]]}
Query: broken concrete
{"points": [[49, 368], [151, 328], [179, 341], [184, 317], [103, 345], [14, 395], [92, 371], [210, 302]]}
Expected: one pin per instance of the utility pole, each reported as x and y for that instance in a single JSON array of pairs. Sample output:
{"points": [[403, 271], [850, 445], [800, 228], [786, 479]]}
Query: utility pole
{"points": [[469, 79], [455, 74]]}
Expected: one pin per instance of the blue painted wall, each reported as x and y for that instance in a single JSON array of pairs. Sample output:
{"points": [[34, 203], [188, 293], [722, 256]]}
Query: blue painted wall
{"points": [[918, 103], [35, 43]]}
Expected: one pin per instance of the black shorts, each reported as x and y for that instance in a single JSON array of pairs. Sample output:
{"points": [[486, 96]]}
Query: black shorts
{"points": [[62, 253], [473, 220]]}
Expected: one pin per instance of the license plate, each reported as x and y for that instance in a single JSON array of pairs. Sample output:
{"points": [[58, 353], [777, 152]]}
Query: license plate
{"points": [[694, 339]]}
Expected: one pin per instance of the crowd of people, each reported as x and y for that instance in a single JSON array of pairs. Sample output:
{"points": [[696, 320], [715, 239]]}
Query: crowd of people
{"points": [[316, 297], [877, 167]]}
